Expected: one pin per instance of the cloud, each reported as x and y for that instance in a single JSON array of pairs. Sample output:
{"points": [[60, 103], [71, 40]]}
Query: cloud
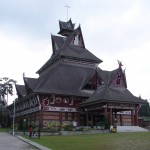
{"points": [[112, 30], [19, 55]]}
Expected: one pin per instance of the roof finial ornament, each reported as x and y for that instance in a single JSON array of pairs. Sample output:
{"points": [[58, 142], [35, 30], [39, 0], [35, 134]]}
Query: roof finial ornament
{"points": [[23, 74], [67, 6], [120, 64]]}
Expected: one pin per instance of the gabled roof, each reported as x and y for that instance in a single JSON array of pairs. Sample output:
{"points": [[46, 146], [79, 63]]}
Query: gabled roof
{"points": [[62, 78], [62, 47], [21, 90], [87, 79], [107, 94], [31, 83], [71, 37], [80, 52], [66, 27], [57, 42], [108, 76]]}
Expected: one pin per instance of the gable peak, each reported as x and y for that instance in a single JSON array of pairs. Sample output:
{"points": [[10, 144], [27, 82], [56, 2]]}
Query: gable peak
{"points": [[66, 27]]}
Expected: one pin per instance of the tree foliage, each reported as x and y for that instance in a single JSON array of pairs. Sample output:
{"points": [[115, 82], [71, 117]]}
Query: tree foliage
{"points": [[145, 110], [6, 88]]}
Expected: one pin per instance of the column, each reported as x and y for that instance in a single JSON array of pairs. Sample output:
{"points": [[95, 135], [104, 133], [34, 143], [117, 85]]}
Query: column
{"points": [[136, 116], [78, 118], [105, 111], [132, 117], [121, 119], [87, 118], [110, 116], [60, 117], [92, 120]]}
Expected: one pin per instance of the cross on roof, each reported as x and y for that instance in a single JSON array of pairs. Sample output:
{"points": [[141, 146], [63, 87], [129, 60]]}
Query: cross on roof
{"points": [[67, 6]]}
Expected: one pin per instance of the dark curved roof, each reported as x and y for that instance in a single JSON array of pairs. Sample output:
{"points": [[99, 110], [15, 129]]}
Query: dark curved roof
{"points": [[62, 78], [108, 76], [21, 90], [79, 53], [109, 93], [66, 27], [67, 50]]}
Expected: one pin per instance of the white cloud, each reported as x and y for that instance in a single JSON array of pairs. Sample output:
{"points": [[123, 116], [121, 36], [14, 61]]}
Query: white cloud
{"points": [[19, 55], [112, 30]]}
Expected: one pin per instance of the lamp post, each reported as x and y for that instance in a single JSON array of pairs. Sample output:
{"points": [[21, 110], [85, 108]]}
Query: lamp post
{"points": [[14, 119], [14, 110], [24, 125]]}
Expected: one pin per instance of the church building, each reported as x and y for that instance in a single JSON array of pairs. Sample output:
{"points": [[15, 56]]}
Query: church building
{"points": [[72, 86]]}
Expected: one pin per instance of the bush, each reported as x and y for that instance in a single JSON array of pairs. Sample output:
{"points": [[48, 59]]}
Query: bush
{"points": [[68, 127]]}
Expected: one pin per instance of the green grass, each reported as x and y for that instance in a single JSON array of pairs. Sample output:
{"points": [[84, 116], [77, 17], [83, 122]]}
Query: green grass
{"points": [[4, 129], [107, 141]]}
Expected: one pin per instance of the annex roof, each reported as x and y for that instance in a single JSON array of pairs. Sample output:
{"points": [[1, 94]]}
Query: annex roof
{"points": [[21, 90], [108, 76], [112, 94]]}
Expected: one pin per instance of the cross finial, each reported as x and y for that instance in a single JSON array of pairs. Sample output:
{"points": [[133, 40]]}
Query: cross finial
{"points": [[67, 6]]}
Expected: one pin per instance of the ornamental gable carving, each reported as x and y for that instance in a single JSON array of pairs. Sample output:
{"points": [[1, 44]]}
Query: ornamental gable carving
{"points": [[118, 80]]}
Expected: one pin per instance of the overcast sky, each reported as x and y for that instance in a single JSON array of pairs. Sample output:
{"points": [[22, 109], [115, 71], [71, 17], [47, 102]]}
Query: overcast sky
{"points": [[112, 30]]}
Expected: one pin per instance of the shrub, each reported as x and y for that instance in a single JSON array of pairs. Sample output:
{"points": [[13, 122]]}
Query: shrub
{"points": [[68, 127]]}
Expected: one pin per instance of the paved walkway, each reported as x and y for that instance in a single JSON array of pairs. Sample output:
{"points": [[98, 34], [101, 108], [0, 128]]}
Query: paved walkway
{"points": [[10, 142], [33, 143]]}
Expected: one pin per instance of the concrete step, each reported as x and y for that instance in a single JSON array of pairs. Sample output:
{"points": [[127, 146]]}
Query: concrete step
{"points": [[130, 129]]}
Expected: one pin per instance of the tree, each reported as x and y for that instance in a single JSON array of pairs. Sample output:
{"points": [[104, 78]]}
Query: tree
{"points": [[145, 110], [6, 88]]}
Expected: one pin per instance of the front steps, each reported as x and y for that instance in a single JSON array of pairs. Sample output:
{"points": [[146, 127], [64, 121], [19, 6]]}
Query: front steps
{"points": [[130, 129]]}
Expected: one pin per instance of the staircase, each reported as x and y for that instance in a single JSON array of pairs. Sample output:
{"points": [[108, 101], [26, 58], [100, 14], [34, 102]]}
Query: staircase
{"points": [[130, 129]]}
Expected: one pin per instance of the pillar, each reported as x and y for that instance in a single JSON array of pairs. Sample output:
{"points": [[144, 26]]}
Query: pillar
{"points": [[60, 117], [136, 117], [121, 119], [132, 117], [78, 118], [105, 111], [110, 116], [87, 118], [92, 119]]}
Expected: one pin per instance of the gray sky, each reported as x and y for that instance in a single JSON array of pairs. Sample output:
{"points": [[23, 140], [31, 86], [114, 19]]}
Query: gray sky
{"points": [[112, 30]]}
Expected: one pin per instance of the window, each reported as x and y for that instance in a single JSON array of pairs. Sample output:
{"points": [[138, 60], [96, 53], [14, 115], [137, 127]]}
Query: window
{"points": [[76, 40], [52, 100]]}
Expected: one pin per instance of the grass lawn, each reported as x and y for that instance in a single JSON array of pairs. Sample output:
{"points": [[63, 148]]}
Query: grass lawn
{"points": [[106, 141], [4, 129]]}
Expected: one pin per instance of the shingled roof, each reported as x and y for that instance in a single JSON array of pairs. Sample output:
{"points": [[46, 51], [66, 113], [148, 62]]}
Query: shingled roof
{"points": [[62, 78], [112, 94], [63, 48], [66, 27], [21, 90], [108, 76]]}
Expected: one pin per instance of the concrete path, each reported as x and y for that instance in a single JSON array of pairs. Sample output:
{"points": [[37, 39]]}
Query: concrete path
{"points": [[33, 143], [9, 142]]}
